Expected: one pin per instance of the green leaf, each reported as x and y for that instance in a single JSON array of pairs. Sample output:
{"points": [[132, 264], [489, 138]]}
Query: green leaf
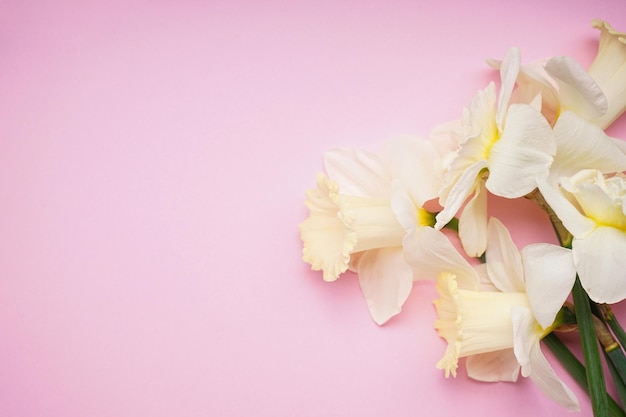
{"points": [[617, 366], [576, 369], [593, 366]]}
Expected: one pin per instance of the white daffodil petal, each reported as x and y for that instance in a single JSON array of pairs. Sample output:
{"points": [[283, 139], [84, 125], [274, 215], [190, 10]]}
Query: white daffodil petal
{"points": [[493, 63], [536, 88], [412, 162], [600, 262], [358, 173], [446, 137], [550, 273], [611, 54], [608, 69], [525, 149], [495, 366], [548, 381], [599, 197], [536, 102], [576, 223], [620, 143], [386, 281], [578, 92], [473, 222], [403, 207], [504, 263], [509, 69], [430, 252], [459, 193], [526, 333], [479, 118], [595, 202], [582, 145], [485, 282]]}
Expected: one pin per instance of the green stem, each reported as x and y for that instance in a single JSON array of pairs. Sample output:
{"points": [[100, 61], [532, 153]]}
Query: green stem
{"points": [[613, 353], [453, 224], [565, 237], [576, 369], [617, 366], [611, 320], [595, 376], [593, 370]]}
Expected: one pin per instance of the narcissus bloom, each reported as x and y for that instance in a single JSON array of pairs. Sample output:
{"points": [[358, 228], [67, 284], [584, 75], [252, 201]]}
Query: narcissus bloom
{"points": [[587, 196], [608, 70], [561, 84], [342, 224], [502, 150], [352, 224], [556, 85], [599, 255], [497, 327]]}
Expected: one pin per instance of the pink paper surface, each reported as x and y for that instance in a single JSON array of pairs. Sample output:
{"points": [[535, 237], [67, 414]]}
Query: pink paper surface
{"points": [[153, 162]]}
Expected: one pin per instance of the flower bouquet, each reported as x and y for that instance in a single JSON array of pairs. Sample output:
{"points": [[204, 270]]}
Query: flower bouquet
{"points": [[417, 210]]}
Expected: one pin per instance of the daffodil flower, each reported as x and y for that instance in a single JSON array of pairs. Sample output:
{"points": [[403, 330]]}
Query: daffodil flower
{"points": [[561, 84], [498, 327], [352, 224], [608, 69], [587, 197], [556, 85], [503, 149]]}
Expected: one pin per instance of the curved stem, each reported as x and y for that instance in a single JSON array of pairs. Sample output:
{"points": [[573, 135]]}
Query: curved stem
{"points": [[565, 237]]}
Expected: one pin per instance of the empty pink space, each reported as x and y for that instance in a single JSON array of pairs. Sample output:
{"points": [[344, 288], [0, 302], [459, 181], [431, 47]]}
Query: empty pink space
{"points": [[153, 161]]}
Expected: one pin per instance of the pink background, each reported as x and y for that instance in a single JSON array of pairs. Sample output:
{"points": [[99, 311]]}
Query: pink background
{"points": [[153, 162]]}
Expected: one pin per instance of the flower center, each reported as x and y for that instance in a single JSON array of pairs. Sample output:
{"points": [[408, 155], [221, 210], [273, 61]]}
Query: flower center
{"points": [[425, 217], [599, 198]]}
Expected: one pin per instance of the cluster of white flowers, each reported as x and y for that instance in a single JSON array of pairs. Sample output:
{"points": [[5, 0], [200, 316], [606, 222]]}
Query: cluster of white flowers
{"points": [[541, 135]]}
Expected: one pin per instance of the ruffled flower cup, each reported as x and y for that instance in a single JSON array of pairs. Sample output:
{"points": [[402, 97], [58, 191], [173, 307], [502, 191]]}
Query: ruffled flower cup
{"points": [[361, 211], [340, 225], [609, 71], [474, 322], [498, 326]]}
